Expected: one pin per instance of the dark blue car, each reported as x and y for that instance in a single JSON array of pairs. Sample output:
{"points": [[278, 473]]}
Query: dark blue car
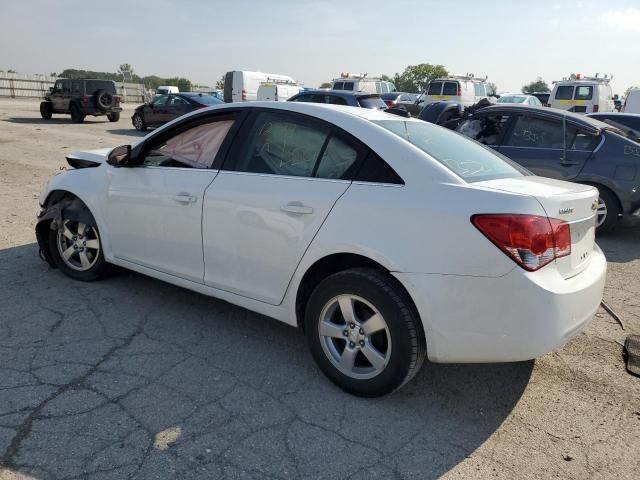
{"points": [[341, 97], [567, 146]]}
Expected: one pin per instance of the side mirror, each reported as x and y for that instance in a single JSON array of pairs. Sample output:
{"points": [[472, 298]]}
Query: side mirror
{"points": [[119, 156], [52, 89]]}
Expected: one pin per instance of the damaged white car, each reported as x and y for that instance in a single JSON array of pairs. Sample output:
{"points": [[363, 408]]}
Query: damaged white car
{"points": [[386, 239]]}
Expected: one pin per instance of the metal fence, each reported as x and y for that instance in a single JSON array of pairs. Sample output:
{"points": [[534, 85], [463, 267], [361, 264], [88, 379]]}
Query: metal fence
{"points": [[15, 85]]}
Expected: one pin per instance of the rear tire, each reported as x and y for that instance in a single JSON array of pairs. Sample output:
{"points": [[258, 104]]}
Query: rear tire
{"points": [[76, 114], [113, 117], [608, 211], [365, 359], [76, 249], [46, 110]]}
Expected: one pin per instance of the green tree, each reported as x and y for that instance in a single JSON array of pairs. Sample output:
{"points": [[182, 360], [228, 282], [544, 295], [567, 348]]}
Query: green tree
{"points": [[492, 89], [538, 86], [220, 83], [415, 77], [325, 85]]}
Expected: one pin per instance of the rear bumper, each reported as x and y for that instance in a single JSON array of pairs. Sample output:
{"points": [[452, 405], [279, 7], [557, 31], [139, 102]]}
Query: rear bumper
{"points": [[519, 316]]}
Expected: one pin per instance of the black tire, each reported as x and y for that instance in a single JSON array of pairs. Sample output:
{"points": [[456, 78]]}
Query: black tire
{"points": [[113, 117], [46, 110], [104, 100], [405, 335], [612, 207], [138, 122], [76, 114], [99, 268]]}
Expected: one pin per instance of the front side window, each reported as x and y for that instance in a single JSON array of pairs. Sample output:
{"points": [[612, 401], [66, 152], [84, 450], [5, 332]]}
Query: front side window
{"points": [[302, 98], [59, 85], [564, 92], [336, 100], [160, 101], [435, 88], [177, 102], [467, 159], [66, 86], [584, 92], [281, 144], [348, 86], [535, 132], [196, 147]]}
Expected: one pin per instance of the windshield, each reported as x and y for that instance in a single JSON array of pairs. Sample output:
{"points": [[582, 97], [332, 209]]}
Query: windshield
{"points": [[372, 102], [511, 99], [466, 158], [206, 99]]}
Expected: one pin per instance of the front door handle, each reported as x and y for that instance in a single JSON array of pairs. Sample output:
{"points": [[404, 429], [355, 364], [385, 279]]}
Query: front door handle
{"points": [[185, 198], [297, 208]]}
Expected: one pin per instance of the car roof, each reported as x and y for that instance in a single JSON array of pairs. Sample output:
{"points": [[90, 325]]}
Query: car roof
{"points": [[345, 93], [580, 120], [614, 114]]}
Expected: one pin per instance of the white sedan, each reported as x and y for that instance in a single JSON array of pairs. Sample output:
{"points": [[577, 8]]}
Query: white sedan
{"points": [[522, 99], [386, 239]]}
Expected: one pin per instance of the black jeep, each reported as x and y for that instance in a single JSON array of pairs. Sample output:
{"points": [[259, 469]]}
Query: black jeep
{"points": [[81, 97]]}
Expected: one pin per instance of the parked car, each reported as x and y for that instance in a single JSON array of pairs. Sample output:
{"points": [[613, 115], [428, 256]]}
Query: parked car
{"points": [[632, 101], [341, 97], [80, 97], [519, 98], [164, 108], [386, 239], [627, 122], [543, 97], [582, 94], [566, 146], [362, 83], [464, 89], [446, 114], [242, 85], [406, 101]]}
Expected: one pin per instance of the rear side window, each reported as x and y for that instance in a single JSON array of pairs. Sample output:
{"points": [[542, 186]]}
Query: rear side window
{"points": [[535, 132], [348, 86], [374, 169], [467, 159], [564, 92], [435, 88], [583, 92], [302, 98], [338, 159], [372, 102], [580, 140], [338, 86], [450, 88], [479, 90]]}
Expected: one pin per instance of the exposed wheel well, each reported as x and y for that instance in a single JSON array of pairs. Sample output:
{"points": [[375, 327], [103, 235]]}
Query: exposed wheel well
{"points": [[328, 266], [600, 186]]}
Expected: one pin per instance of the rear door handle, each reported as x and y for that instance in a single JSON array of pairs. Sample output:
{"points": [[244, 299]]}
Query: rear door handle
{"points": [[185, 198], [297, 208]]}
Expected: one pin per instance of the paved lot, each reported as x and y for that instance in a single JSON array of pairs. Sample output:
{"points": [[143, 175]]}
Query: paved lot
{"points": [[133, 378]]}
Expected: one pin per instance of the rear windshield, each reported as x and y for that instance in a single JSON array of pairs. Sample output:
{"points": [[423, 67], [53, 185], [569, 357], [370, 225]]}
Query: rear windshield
{"points": [[435, 88], [206, 99], [372, 102], [466, 158], [390, 96], [511, 99], [583, 92], [450, 88], [92, 86], [564, 92]]}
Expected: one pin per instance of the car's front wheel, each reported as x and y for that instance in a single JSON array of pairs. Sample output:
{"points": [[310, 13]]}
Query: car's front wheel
{"points": [[76, 249], [113, 117], [364, 333], [46, 110], [139, 123]]}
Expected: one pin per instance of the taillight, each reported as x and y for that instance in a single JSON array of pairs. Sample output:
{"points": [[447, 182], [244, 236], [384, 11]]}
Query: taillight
{"points": [[595, 108], [118, 99], [390, 103], [244, 95], [532, 241], [459, 90], [85, 99]]}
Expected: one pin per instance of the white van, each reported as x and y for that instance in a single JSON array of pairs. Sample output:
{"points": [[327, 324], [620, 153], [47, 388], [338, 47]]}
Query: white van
{"points": [[277, 92], [463, 89], [166, 90], [582, 94], [632, 102], [242, 85], [362, 83]]}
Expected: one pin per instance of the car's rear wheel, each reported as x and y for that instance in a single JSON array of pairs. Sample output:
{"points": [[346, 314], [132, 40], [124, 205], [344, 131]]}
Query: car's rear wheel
{"points": [[76, 114], [76, 249], [139, 123], [608, 211], [46, 110], [113, 117], [364, 333]]}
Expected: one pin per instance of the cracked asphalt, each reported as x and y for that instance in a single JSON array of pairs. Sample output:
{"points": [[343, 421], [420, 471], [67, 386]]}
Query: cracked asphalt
{"points": [[133, 378]]}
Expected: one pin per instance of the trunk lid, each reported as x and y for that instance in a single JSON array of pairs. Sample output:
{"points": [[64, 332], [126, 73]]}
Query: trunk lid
{"points": [[573, 203]]}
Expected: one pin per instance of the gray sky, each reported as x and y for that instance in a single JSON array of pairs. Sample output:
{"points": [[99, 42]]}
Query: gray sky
{"points": [[315, 41]]}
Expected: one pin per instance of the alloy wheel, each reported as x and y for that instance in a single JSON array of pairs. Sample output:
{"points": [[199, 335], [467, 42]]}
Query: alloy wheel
{"points": [[78, 245], [602, 212], [354, 336]]}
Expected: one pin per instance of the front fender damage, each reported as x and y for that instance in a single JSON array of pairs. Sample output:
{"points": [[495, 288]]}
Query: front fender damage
{"points": [[53, 216]]}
